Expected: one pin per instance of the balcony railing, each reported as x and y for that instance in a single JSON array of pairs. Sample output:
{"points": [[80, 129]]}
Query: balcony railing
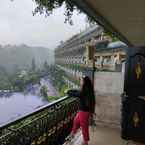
{"points": [[48, 125]]}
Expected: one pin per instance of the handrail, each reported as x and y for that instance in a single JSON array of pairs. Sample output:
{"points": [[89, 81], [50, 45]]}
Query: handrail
{"points": [[49, 124], [10, 123]]}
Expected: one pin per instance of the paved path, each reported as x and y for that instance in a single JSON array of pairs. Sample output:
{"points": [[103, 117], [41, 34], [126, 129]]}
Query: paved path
{"points": [[50, 87]]}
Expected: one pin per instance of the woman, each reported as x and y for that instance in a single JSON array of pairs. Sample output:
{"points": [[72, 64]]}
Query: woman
{"points": [[86, 108]]}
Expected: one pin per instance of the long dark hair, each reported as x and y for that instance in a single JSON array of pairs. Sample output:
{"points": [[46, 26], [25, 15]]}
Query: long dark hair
{"points": [[87, 92]]}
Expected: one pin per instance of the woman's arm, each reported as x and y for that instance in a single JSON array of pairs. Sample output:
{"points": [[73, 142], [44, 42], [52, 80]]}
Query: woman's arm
{"points": [[73, 93]]}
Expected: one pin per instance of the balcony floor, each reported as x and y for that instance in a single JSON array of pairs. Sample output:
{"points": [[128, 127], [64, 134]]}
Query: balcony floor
{"points": [[100, 136]]}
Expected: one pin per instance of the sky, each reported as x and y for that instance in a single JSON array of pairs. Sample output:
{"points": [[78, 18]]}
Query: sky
{"points": [[19, 26]]}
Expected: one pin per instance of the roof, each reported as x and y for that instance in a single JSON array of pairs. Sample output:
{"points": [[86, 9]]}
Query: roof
{"points": [[125, 18], [88, 30], [84, 33], [105, 45], [117, 44]]}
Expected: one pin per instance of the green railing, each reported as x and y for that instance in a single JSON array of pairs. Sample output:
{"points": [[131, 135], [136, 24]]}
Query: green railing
{"points": [[48, 125]]}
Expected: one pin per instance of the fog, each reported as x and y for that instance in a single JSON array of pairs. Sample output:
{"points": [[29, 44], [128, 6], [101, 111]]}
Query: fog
{"points": [[19, 26]]}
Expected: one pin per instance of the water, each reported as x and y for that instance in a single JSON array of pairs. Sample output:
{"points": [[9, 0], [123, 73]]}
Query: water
{"points": [[13, 105], [18, 104]]}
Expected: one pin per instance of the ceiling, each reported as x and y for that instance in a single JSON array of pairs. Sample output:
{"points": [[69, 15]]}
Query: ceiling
{"points": [[125, 18]]}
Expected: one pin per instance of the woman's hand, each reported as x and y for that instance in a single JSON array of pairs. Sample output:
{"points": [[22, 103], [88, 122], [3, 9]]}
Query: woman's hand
{"points": [[92, 119]]}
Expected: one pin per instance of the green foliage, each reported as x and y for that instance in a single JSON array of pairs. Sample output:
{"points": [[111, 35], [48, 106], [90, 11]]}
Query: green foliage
{"points": [[19, 81], [14, 58], [114, 38], [5, 83], [47, 8], [33, 64], [52, 98], [58, 80], [63, 89], [43, 91]]}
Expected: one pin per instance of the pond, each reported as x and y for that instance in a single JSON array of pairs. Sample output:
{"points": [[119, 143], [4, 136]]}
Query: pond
{"points": [[13, 105]]}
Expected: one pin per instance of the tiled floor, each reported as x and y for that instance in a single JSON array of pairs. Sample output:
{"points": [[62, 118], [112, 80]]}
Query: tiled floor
{"points": [[100, 136], [105, 136]]}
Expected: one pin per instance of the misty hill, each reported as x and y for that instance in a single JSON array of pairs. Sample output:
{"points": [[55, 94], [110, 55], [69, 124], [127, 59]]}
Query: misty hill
{"points": [[13, 57]]}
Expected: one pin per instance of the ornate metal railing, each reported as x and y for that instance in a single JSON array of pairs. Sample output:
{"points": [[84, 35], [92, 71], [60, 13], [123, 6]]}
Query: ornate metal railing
{"points": [[48, 125]]}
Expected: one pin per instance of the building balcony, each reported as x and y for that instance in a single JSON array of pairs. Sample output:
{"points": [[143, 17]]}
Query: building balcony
{"points": [[51, 124], [48, 125]]}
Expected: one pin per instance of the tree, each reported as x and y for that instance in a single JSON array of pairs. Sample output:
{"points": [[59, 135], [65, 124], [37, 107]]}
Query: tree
{"points": [[33, 64], [111, 35], [43, 91], [47, 8], [46, 66]]}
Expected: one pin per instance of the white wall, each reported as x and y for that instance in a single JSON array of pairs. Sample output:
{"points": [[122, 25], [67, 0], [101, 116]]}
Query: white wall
{"points": [[109, 82], [108, 87]]}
